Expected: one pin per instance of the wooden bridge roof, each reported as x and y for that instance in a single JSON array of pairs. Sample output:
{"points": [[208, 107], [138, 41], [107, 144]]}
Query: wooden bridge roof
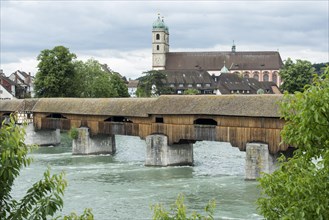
{"points": [[17, 105], [228, 105], [95, 106]]}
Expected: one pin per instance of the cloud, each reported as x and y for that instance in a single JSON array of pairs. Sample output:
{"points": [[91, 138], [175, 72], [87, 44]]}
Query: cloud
{"points": [[119, 32]]}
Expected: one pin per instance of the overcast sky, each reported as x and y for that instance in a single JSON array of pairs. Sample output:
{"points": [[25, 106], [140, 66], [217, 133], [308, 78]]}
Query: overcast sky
{"points": [[118, 33]]}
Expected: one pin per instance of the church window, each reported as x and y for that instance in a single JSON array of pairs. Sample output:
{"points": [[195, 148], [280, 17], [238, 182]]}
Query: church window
{"points": [[158, 36], [158, 47], [265, 77], [256, 76], [274, 77]]}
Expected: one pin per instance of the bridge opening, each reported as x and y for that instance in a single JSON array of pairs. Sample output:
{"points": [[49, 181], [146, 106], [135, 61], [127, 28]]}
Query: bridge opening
{"points": [[118, 119], [56, 115], [205, 121]]}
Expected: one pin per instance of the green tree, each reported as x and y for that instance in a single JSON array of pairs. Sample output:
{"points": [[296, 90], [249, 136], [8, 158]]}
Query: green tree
{"points": [[299, 188], [191, 92], [320, 67], [95, 82], [152, 84], [56, 76], [44, 198], [296, 75], [117, 84], [178, 211]]}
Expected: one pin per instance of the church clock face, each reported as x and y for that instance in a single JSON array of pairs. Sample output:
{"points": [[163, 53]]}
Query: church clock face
{"points": [[157, 60]]}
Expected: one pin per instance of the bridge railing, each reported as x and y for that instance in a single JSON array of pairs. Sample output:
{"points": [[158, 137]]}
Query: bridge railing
{"points": [[56, 123]]}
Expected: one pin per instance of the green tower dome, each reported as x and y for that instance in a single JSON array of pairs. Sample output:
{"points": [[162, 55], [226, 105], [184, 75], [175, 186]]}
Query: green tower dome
{"points": [[159, 24], [224, 69]]}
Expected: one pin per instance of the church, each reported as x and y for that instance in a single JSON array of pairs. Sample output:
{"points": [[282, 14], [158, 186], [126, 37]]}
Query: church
{"points": [[262, 66]]}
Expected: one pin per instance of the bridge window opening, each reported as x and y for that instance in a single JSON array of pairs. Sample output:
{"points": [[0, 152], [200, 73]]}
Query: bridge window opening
{"points": [[158, 119], [56, 115], [118, 119], [205, 121]]}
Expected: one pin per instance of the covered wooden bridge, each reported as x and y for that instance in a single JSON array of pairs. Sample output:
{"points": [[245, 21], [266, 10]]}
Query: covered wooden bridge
{"points": [[183, 119], [169, 124]]}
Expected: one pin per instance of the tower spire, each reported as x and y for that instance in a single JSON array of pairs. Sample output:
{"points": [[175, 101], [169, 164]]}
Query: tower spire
{"points": [[233, 47]]}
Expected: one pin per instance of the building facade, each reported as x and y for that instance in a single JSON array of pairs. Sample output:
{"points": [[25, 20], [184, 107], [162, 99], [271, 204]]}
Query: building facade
{"points": [[263, 66]]}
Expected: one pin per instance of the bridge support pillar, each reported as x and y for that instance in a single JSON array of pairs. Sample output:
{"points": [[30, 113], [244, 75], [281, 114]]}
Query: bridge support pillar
{"points": [[99, 144], [258, 160], [159, 153], [42, 137]]}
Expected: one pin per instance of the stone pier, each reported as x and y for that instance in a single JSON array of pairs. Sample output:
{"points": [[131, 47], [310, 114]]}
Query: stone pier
{"points": [[258, 160], [42, 137], [159, 153], [98, 144]]}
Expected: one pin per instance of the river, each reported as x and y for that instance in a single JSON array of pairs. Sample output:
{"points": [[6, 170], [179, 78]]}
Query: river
{"points": [[121, 187]]}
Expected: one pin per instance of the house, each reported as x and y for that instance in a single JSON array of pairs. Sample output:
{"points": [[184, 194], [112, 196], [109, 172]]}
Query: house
{"points": [[260, 65], [224, 83], [132, 87], [182, 80], [231, 83], [24, 82], [7, 87]]}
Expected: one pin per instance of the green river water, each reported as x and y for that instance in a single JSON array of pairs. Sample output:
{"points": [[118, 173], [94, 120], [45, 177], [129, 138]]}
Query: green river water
{"points": [[121, 187]]}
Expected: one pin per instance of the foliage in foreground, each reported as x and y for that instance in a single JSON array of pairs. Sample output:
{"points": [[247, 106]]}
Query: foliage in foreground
{"points": [[178, 211], [299, 189], [44, 198]]}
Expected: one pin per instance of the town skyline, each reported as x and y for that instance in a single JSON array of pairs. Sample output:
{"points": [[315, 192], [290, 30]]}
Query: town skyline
{"points": [[119, 33]]}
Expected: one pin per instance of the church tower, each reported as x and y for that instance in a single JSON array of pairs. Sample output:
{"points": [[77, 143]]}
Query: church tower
{"points": [[160, 44]]}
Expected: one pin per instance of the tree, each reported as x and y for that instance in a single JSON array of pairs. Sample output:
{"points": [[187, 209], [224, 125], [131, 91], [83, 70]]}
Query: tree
{"points": [[178, 211], [320, 67], [117, 84], [56, 76], [44, 198], [296, 75], [152, 84], [299, 188], [94, 82]]}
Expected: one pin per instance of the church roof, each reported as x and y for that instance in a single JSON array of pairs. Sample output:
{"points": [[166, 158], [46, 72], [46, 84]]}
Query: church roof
{"points": [[249, 60], [188, 76]]}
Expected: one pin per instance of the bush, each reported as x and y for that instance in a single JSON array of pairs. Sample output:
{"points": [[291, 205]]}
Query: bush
{"points": [[299, 188], [179, 211], [74, 133]]}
